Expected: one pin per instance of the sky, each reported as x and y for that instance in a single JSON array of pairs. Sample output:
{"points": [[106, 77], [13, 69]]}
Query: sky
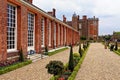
{"points": [[106, 10]]}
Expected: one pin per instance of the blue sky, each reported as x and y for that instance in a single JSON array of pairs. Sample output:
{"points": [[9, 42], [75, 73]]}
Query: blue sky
{"points": [[106, 10]]}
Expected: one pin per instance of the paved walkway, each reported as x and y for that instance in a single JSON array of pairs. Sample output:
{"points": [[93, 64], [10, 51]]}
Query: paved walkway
{"points": [[99, 64], [36, 70]]}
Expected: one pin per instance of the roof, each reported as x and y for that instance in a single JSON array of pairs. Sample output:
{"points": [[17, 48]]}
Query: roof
{"points": [[46, 14]]}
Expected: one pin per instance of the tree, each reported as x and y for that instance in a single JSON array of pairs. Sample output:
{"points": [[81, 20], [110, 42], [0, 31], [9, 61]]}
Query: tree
{"points": [[80, 51], [116, 46], [55, 67], [71, 62], [83, 38], [21, 56]]}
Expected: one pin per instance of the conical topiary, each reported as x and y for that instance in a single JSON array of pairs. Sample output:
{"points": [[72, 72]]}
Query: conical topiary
{"points": [[116, 46], [21, 56], [80, 51], [71, 62]]}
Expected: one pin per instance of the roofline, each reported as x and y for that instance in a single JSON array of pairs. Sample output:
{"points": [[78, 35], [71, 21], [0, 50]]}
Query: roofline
{"points": [[46, 14]]}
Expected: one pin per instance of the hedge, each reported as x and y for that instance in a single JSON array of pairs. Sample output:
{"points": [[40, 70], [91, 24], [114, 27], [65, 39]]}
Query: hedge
{"points": [[14, 66]]}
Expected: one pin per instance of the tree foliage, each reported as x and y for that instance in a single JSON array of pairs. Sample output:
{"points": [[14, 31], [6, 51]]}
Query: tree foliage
{"points": [[55, 67], [71, 62]]}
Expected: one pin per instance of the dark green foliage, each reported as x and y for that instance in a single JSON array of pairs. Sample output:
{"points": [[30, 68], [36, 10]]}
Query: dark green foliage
{"points": [[55, 67], [83, 38], [111, 47], [84, 46], [116, 46], [71, 62], [14, 66], [21, 58], [46, 50], [80, 51]]}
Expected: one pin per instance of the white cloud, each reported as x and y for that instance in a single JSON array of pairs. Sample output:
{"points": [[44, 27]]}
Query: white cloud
{"points": [[106, 10]]}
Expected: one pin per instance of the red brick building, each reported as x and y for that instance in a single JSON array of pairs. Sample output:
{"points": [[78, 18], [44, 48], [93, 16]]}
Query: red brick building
{"points": [[88, 27], [23, 25]]}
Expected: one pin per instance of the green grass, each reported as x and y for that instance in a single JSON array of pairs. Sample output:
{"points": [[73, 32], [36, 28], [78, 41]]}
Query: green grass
{"points": [[56, 51], [76, 69], [14, 66], [117, 52]]}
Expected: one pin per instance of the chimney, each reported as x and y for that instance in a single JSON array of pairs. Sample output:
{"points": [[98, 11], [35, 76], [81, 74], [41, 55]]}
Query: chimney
{"points": [[54, 12], [78, 17], [84, 17], [64, 19]]}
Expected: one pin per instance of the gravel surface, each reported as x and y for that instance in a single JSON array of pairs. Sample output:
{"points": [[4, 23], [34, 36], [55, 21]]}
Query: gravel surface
{"points": [[99, 64], [36, 70]]}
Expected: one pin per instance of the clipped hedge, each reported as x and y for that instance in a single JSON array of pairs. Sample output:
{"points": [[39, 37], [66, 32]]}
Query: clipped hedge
{"points": [[76, 69], [14, 66]]}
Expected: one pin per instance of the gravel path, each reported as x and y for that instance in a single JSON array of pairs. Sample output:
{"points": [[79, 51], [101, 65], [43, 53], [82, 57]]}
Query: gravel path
{"points": [[36, 70], [99, 64]]}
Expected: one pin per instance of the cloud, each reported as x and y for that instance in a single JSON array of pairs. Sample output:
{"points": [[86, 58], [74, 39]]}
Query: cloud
{"points": [[106, 10]]}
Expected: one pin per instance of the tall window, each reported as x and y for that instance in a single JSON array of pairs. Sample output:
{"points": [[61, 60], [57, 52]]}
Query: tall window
{"points": [[42, 31], [55, 34], [58, 34], [30, 30], [49, 33], [65, 36], [11, 27]]}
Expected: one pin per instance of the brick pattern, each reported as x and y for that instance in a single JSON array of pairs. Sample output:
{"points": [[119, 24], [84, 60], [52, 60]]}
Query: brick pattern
{"points": [[22, 30]]}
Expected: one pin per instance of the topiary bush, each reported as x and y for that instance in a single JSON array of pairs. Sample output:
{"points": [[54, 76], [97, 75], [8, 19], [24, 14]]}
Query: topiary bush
{"points": [[55, 67], [116, 46], [21, 56], [80, 51], [71, 62]]}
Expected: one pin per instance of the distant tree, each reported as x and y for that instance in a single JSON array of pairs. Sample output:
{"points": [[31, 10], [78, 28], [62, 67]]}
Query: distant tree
{"points": [[83, 38], [71, 62]]}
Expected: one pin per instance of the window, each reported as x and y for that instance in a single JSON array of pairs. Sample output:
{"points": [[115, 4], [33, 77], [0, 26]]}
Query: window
{"points": [[11, 27], [30, 30], [49, 33], [65, 35], [55, 34], [42, 31], [58, 34]]}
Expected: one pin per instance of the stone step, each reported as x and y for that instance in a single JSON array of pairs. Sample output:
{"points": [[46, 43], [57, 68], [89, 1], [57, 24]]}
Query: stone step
{"points": [[36, 57]]}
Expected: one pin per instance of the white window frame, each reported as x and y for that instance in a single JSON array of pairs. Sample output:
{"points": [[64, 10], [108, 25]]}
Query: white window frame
{"points": [[55, 34], [32, 47], [58, 34], [14, 49], [43, 25], [65, 35], [49, 26]]}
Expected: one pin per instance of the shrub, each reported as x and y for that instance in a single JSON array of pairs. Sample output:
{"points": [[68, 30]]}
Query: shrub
{"points": [[80, 51], [111, 47], [76, 55], [116, 46], [55, 67], [21, 58], [71, 62], [54, 77], [14, 66]]}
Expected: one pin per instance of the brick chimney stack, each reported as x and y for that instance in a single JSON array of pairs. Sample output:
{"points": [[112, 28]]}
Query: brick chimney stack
{"points": [[84, 17], [78, 17], [54, 12], [64, 19]]}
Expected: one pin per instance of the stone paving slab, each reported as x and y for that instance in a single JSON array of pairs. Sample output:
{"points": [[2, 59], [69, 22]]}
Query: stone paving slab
{"points": [[36, 70], [99, 64]]}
